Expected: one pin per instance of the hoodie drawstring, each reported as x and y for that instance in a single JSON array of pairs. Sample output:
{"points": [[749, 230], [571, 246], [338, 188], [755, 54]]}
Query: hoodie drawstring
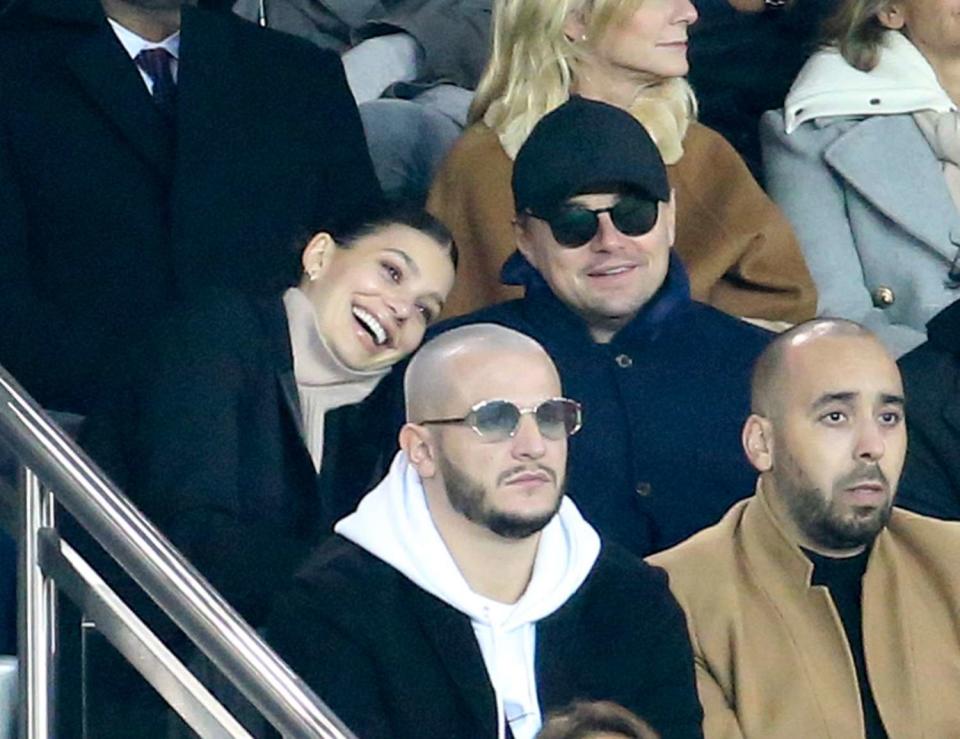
{"points": [[494, 661]]}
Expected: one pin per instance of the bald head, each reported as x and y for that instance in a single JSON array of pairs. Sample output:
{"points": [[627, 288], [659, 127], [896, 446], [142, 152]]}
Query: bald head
{"points": [[827, 434], [432, 376], [767, 385]]}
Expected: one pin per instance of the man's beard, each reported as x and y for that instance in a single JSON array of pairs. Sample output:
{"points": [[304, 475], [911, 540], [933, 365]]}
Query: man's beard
{"points": [[822, 517], [468, 497]]}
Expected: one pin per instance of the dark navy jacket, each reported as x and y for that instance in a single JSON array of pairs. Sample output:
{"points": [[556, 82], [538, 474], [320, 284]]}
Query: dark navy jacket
{"points": [[659, 455]]}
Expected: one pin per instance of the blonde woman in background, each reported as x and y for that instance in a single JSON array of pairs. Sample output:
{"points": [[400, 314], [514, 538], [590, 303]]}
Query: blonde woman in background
{"points": [[739, 251]]}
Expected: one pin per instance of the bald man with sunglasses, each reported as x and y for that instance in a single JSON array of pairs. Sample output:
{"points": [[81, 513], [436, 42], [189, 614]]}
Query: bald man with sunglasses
{"points": [[663, 379], [466, 597]]}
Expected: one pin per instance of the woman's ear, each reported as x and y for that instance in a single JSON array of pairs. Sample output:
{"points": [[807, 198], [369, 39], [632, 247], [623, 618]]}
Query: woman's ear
{"points": [[575, 27], [892, 16], [316, 254]]}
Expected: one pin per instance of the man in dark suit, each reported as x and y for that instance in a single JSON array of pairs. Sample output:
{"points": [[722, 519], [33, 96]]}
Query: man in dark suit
{"points": [[466, 597], [127, 185]]}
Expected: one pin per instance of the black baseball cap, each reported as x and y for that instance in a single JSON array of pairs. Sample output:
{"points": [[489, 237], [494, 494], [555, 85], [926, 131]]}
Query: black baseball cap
{"points": [[580, 146]]}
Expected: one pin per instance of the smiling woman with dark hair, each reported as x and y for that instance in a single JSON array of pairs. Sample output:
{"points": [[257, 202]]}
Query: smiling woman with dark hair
{"points": [[245, 428]]}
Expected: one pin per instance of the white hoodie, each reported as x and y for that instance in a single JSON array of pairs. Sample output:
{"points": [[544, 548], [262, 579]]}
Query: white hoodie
{"points": [[394, 524], [902, 82]]}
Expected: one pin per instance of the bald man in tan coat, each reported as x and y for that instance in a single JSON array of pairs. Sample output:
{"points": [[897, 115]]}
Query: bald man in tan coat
{"points": [[816, 608]]}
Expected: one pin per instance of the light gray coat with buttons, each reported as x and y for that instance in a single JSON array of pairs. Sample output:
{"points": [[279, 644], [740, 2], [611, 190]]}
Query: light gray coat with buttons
{"points": [[864, 190], [871, 209]]}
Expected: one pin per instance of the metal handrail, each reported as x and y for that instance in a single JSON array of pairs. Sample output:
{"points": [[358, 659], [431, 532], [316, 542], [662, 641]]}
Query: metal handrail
{"points": [[180, 591]]}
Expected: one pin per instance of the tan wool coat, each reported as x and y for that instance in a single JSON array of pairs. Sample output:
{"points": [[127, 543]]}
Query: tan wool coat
{"points": [[739, 250], [772, 659]]}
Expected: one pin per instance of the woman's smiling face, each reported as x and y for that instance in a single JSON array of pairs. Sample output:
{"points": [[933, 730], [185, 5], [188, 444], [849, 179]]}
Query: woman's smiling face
{"points": [[375, 297]]}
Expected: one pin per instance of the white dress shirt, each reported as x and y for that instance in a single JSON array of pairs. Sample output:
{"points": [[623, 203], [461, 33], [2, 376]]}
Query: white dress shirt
{"points": [[134, 44]]}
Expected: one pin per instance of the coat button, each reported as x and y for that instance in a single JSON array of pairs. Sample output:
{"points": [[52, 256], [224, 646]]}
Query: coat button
{"points": [[644, 489], [883, 296], [624, 360]]}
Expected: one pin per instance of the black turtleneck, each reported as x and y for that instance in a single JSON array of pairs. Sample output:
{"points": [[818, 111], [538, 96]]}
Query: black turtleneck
{"points": [[843, 578]]}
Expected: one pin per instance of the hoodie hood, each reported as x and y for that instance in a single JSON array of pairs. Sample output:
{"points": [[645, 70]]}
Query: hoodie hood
{"points": [[393, 523], [902, 82]]}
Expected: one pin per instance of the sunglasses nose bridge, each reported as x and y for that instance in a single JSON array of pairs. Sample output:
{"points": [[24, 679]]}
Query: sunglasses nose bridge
{"points": [[608, 235], [527, 438]]}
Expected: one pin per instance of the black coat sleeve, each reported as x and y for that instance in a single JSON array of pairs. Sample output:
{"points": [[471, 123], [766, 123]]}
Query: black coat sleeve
{"points": [[173, 434], [352, 192], [625, 641], [931, 477], [674, 707], [333, 663], [53, 353]]}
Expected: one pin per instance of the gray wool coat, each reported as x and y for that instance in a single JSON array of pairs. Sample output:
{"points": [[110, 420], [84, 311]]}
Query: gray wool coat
{"points": [[870, 206]]}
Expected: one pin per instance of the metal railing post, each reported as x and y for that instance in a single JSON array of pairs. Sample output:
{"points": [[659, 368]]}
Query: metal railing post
{"points": [[135, 543], [37, 612]]}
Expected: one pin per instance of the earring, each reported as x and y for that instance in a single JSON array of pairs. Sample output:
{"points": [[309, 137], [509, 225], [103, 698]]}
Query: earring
{"points": [[312, 274], [583, 37]]}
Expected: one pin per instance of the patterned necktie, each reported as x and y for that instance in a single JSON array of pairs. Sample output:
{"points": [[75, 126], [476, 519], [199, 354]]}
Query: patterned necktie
{"points": [[156, 63]]}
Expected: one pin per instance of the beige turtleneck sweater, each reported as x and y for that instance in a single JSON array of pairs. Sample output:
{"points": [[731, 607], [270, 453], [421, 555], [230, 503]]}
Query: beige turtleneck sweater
{"points": [[323, 382]]}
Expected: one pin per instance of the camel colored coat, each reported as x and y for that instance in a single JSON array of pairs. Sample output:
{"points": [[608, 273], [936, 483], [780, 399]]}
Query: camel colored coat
{"points": [[739, 250], [772, 660]]}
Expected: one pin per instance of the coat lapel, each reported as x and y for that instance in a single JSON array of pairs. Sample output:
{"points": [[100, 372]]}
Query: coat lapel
{"points": [[450, 634], [904, 183], [810, 619], [291, 400], [887, 642], [111, 79]]}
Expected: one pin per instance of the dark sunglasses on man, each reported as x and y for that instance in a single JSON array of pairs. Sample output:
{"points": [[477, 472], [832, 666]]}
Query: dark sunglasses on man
{"points": [[573, 225], [498, 420]]}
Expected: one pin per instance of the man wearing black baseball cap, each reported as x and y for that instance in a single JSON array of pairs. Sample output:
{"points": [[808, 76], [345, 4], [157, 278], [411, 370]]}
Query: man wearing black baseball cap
{"points": [[664, 380]]}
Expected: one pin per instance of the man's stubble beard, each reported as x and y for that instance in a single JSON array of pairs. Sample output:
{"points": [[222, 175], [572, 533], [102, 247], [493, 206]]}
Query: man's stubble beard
{"points": [[821, 517], [469, 498]]}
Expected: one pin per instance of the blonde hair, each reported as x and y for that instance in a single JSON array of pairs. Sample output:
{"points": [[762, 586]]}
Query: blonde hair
{"points": [[856, 30], [533, 64]]}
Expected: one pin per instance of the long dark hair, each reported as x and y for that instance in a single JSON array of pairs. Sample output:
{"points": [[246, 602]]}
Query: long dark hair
{"points": [[401, 215]]}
